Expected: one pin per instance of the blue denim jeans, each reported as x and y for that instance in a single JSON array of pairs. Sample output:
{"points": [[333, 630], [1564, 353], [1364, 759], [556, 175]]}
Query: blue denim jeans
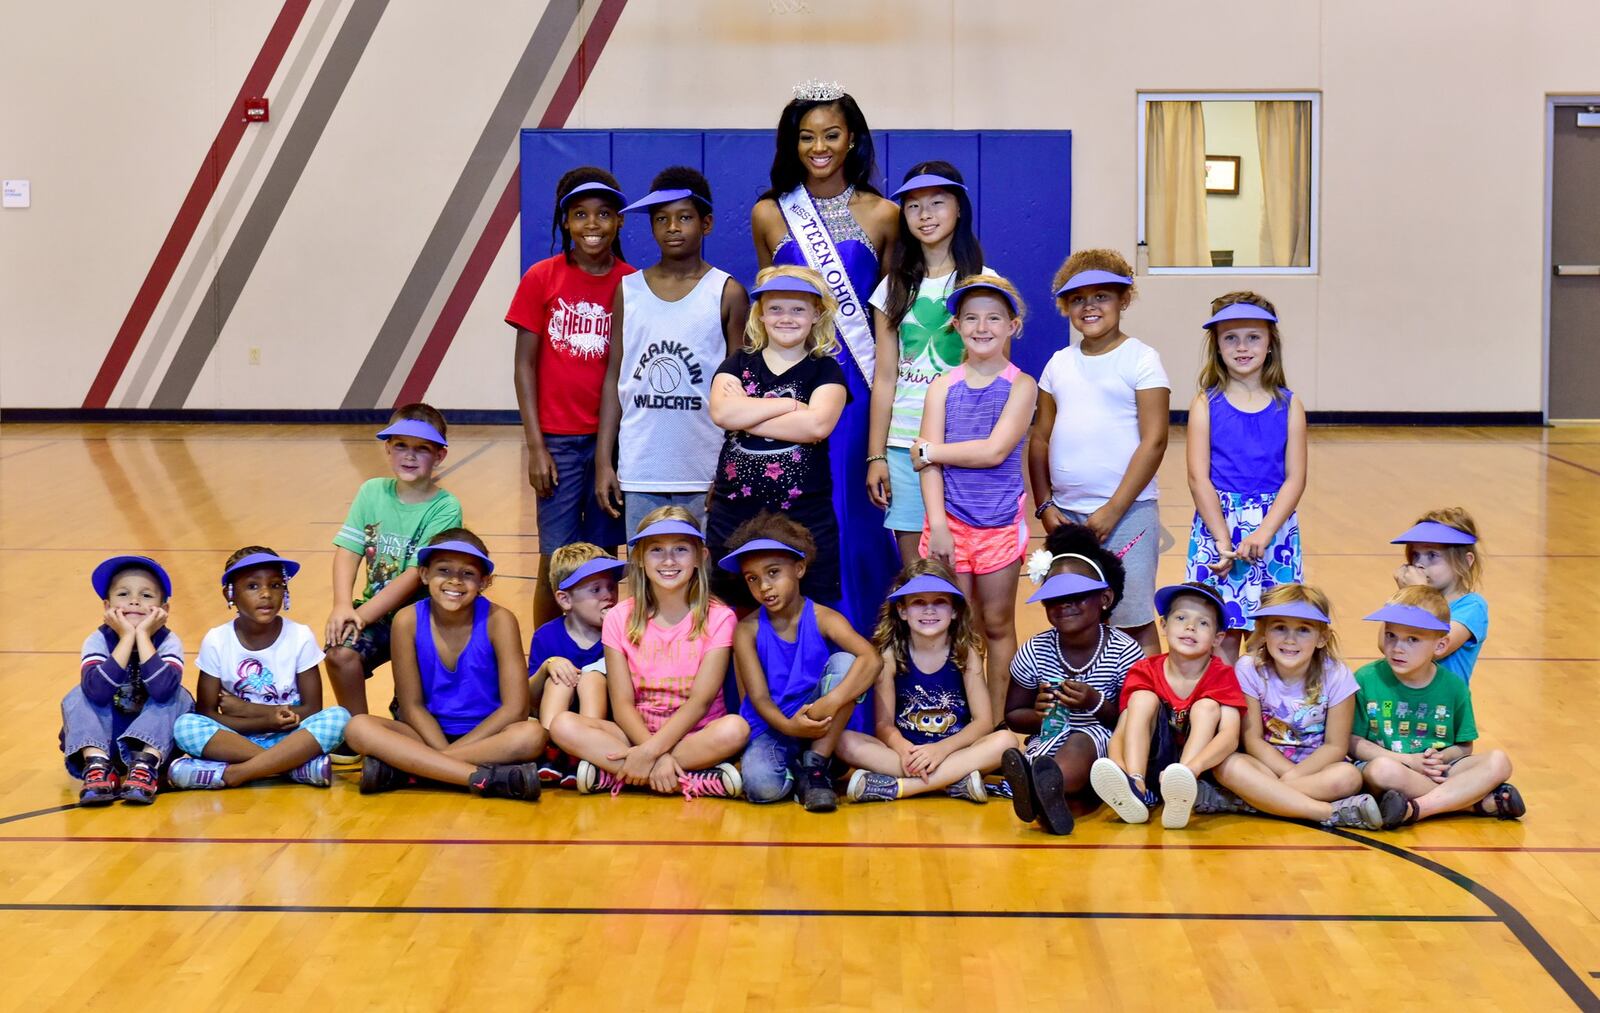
{"points": [[85, 723], [572, 513], [636, 504], [771, 761]]}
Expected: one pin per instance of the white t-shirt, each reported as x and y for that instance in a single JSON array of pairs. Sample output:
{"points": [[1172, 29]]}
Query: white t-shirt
{"points": [[266, 676], [1097, 420]]}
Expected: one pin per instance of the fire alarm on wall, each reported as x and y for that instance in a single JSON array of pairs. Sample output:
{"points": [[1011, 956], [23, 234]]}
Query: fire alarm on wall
{"points": [[255, 110]]}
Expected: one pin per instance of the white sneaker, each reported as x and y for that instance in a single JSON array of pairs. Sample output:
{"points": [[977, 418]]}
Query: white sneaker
{"points": [[1116, 789], [189, 772], [970, 788], [1178, 790]]}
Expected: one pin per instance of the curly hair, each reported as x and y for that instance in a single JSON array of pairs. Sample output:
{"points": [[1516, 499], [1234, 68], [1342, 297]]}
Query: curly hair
{"points": [[894, 633], [823, 339], [1092, 260], [1072, 539], [779, 527], [1214, 371]]}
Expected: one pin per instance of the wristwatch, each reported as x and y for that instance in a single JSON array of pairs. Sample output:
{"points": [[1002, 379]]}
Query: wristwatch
{"points": [[1038, 514]]}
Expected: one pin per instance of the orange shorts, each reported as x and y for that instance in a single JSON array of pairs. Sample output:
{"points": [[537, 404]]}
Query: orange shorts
{"points": [[983, 550]]}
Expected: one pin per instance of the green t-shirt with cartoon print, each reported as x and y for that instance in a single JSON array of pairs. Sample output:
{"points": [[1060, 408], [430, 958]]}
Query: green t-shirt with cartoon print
{"points": [[387, 533], [1406, 720]]}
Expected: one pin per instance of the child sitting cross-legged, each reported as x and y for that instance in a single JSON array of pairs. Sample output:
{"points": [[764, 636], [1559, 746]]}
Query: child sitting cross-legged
{"points": [[803, 667], [566, 660], [460, 681]]}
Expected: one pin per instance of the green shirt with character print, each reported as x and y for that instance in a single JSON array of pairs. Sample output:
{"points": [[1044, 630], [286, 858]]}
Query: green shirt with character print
{"points": [[1405, 720], [387, 533]]}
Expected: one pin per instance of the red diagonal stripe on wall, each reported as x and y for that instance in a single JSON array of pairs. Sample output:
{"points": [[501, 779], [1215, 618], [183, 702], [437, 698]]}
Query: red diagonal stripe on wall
{"points": [[505, 210], [194, 204]]}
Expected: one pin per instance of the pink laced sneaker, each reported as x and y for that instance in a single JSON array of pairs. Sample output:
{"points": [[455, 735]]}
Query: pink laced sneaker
{"points": [[721, 781]]}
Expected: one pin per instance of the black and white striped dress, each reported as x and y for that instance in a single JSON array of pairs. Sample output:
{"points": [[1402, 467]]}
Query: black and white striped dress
{"points": [[1039, 658]]}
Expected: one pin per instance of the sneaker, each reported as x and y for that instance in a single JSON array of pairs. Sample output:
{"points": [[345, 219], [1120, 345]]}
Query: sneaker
{"points": [[816, 791], [343, 756], [506, 780], [590, 779], [721, 781], [1050, 797], [377, 776], [549, 774], [970, 789], [191, 772], [1359, 812], [997, 789], [1119, 791], [1397, 810], [1178, 789], [865, 786], [140, 784], [1019, 778], [1210, 799], [569, 780], [99, 783], [317, 772]]}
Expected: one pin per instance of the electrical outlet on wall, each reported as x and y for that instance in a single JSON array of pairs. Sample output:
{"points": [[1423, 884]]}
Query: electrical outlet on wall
{"points": [[255, 357]]}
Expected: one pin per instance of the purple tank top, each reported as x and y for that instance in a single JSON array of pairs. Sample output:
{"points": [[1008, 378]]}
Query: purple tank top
{"points": [[1247, 448], [458, 699], [981, 497]]}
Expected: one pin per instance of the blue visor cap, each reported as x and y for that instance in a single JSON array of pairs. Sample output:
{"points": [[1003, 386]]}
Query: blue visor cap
{"points": [[1410, 615], [1165, 596], [667, 527], [784, 283], [953, 303], [255, 559], [1292, 610], [926, 181], [655, 197], [465, 548], [1084, 279], [730, 562], [592, 190], [100, 579], [1434, 533], [414, 427], [1067, 585], [599, 564], [927, 583], [1240, 311]]}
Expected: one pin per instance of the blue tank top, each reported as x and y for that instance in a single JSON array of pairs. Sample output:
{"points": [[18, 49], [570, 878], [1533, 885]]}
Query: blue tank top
{"points": [[1247, 448], [929, 706], [981, 497], [458, 699], [792, 668]]}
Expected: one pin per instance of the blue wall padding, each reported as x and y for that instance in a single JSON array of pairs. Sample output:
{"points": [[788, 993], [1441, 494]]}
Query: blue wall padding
{"points": [[1020, 181]]}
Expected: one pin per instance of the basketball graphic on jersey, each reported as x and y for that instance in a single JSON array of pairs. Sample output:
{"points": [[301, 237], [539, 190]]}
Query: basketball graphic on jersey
{"points": [[664, 373]]}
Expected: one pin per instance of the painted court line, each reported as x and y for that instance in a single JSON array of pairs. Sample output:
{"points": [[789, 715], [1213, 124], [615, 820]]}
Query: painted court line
{"points": [[602, 843]]}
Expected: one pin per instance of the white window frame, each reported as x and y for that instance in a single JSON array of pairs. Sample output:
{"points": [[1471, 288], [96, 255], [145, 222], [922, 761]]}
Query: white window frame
{"points": [[1315, 98]]}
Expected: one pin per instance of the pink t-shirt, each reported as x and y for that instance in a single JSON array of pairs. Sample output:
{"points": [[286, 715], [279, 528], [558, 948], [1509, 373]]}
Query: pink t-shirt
{"points": [[666, 659]]}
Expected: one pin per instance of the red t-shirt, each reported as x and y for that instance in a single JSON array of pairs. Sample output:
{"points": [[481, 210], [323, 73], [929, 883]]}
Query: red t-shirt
{"points": [[1217, 682], [570, 310]]}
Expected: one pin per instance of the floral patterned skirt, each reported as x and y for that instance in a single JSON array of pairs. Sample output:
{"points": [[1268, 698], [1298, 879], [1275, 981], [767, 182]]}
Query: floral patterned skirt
{"points": [[1242, 584]]}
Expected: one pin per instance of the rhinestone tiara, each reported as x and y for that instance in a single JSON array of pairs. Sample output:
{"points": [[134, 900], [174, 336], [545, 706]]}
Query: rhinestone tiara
{"points": [[818, 91]]}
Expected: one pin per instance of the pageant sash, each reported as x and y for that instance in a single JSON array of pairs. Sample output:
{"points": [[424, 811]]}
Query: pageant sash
{"points": [[822, 256]]}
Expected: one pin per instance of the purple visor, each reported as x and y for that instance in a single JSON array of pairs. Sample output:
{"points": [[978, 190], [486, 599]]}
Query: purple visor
{"points": [[1084, 279], [667, 527], [1165, 596], [954, 302], [255, 559], [597, 565], [927, 583], [100, 580], [1410, 615], [413, 427], [1434, 533], [730, 562], [465, 548], [593, 189], [1067, 585], [1240, 311], [784, 283], [655, 197], [926, 181], [1292, 610]]}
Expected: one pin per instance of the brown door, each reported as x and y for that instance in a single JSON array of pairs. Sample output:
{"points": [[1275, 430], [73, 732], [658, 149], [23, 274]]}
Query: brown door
{"points": [[1575, 263]]}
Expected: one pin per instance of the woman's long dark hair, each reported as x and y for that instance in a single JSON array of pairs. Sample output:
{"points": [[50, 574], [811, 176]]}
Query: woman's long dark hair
{"points": [[860, 162], [908, 270], [576, 177]]}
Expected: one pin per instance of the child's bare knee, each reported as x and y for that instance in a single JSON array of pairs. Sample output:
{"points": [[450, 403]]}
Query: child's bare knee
{"points": [[1346, 779], [528, 738], [1384, 773], [1500, 763], [563, 728], [357, 734]]}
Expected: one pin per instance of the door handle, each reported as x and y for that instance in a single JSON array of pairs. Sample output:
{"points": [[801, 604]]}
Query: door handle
{"points": [[1577, 270]]}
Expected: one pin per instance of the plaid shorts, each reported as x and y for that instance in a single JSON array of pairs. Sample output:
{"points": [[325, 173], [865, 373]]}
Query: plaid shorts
{"points": [[191, 732]]}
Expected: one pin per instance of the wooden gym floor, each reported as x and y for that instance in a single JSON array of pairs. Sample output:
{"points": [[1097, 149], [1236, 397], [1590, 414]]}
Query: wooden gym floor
{"points": [[289, 897]]}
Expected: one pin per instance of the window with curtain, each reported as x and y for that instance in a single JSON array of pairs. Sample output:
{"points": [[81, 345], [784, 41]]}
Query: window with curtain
{"points": [[1229, 182]]}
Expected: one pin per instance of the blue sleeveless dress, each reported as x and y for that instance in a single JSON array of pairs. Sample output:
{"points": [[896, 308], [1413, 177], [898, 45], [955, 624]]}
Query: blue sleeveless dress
{"points": [[863, 540]]}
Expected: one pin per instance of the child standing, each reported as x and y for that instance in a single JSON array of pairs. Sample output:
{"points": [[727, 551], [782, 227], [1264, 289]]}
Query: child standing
{"points": [[667, 649], [974, 424], [678, 319], [260, 710], [1441, 553], [389, 520], [1301, 703], [118, 719], [1065, 682], [915, 342], [779, 398], [1101, 431], [1415, 730], [458, 677], [802, 666], [935, 730], [562, 314], [1247, 462], [1180, 713]]}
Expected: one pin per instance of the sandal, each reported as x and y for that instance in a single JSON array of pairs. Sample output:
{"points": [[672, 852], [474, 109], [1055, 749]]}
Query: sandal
{"points": [[1019, 776], [1397, 810], [1508, 804]]}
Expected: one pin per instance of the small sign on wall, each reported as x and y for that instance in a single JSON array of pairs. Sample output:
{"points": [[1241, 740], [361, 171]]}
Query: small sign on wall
{"points": [[16, 193]]}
